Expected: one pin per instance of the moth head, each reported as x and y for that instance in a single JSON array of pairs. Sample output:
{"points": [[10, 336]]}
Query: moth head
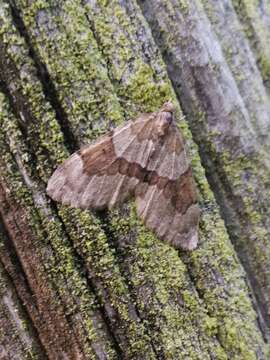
{"points": [[165, 118], [168, 107]]}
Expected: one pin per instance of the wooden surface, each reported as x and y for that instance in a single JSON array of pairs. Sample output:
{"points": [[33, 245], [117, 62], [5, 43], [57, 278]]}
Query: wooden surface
{"points": [[78, 285]]}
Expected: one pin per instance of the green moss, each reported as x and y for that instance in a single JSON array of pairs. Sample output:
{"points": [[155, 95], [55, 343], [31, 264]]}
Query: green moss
{"points": [[143, 90], [230, 337], [237, 170], [46, 126], [18, 333], [264, 64], [257, 32], [211, 325], [93, 245], [90, 71], [170, 305], [77, 68], [60, 263]]}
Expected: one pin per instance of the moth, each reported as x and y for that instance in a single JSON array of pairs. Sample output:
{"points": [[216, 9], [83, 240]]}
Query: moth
{"points": [[144, 159]]}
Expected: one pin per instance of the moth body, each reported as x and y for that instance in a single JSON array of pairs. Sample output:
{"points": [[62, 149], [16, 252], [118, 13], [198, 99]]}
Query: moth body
{"points": [[145, 159]]}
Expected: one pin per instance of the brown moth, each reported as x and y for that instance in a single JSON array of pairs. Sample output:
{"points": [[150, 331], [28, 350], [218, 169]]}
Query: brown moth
{"points": [[144, 159]]}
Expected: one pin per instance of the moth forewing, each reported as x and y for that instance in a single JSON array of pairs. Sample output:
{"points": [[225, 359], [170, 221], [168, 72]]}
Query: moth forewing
{"points": [[145, 159]]}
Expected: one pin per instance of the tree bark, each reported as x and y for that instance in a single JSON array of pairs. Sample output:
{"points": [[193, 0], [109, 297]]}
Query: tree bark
{"points": [[78, 285]]}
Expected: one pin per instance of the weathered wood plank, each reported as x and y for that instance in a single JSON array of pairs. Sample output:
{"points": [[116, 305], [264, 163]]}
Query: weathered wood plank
{"points": [[73, 70], [231, 136]]}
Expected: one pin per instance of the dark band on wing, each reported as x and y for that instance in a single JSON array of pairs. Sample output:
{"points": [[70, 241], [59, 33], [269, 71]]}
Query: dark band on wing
{"points": [[101, 160]]}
